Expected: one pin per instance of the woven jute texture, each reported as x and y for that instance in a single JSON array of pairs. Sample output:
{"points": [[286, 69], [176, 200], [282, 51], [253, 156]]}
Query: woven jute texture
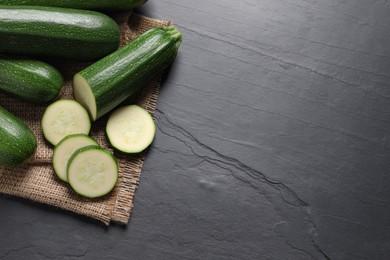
{"points": [[37, 181]]}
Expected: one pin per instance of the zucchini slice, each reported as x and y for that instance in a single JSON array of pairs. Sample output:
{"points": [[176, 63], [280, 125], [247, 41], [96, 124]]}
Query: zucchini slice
{"points": [[92, 172], [63, 118], [65, 149], [131, 129]]}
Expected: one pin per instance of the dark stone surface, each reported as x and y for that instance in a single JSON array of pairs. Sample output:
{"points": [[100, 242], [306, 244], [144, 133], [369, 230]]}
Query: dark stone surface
{"points": [[273, 143]]}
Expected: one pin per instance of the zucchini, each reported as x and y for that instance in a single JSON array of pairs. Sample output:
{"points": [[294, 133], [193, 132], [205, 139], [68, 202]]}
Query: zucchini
{"points": [[30, 80], [57, 32], [65, 149], [110, 5], [18, 142], [131, 129], [63, 118], [92, 171], [108, 82]]}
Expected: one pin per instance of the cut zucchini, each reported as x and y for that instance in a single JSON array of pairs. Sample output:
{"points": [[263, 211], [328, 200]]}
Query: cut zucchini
{"points": [[92, 172], [105, 84], [65, 149], [131, 129], [63, 118]]}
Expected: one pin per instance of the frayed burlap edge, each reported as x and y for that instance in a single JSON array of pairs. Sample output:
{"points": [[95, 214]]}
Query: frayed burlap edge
{"points": [[147, 98]]}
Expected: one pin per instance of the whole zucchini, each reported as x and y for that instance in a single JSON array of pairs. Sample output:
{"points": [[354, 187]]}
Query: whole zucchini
{"points": [[112, 5], [107, 83], [57, 32], [18, 142], [30, 80]]}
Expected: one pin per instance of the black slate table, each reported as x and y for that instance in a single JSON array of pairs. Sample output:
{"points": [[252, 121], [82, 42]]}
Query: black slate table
{"points": [[273, 142]]}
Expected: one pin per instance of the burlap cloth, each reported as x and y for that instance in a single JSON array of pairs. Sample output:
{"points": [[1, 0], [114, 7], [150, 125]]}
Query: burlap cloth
{"points": [[37, 180]]}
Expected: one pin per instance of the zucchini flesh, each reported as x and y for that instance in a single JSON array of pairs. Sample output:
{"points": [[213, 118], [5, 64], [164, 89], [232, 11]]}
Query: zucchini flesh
{"points": [[107, 83], [131, 129], [63, 118], [30, 80], [65, 149], [92, 171], [58, 32], [18, 142], [111, 5]]}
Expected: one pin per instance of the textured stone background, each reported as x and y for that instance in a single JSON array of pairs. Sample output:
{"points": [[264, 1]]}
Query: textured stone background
{"points": [[273, 142]]}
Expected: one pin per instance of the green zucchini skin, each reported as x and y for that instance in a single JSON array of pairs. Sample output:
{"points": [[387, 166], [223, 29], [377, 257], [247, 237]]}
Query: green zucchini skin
{"points": [[116, 77], [57, 32], [17, 141], [30, 80], [111, 5]]}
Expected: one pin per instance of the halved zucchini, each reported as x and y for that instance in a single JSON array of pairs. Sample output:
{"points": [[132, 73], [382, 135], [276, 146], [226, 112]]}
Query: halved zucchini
{"points": [[105, 84]]}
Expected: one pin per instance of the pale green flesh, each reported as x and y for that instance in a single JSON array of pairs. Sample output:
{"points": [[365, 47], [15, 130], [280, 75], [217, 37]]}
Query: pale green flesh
{"points": [[63, 118], [131, 129], [65, 149], [84, 95], [92, 173]]}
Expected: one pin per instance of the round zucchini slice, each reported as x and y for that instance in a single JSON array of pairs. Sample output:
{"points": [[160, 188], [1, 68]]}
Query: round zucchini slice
{"points": [[131, 129], [63, 118], [92, 171]]}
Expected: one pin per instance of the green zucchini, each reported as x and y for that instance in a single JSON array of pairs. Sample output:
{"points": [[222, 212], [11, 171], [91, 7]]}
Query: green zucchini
{"points": [[18, 142], [30, 80], [57, 32], [107, 83], [111, 5], [131, 129], [92, 171]]}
